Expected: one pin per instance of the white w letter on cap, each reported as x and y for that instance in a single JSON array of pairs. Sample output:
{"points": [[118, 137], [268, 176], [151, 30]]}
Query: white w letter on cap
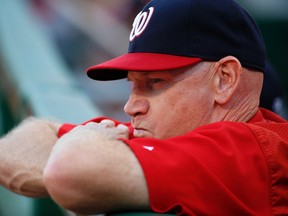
{"points": [[140, 23]]}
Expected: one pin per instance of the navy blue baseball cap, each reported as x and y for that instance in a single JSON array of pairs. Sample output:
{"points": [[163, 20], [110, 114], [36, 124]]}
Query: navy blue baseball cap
{"points": [[170, 34]]}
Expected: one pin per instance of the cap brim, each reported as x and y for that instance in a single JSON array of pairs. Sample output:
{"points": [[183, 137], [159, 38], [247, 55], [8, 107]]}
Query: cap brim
{"points": [[117, 68]]}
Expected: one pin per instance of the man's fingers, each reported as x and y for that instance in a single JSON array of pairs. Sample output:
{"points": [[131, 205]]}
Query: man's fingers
{"points": [[103, 124], [124, 130], [121, 130], [90, 125], [108, 123]]}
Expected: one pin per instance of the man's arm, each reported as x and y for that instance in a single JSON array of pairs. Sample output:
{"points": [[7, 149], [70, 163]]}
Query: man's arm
{"points": [[24, 153], [91, 170]]}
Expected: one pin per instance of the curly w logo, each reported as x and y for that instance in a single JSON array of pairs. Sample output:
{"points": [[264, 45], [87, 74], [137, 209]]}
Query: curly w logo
{"points": [[140, 23]]}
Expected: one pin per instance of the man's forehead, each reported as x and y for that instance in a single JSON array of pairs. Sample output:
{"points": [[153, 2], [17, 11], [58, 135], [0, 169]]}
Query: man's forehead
{"points": [[145, 74], [148, 73], [164, 74]]}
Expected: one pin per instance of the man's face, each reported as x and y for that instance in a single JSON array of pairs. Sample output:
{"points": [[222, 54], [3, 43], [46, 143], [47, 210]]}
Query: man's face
{"points": [[165, 104]]}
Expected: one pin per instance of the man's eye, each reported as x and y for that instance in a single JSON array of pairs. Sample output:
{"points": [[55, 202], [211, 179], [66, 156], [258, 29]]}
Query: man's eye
{"points": [[155, 81]]}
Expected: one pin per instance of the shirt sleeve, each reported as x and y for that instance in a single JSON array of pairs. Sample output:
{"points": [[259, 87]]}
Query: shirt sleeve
{"points": [[218, 169]]}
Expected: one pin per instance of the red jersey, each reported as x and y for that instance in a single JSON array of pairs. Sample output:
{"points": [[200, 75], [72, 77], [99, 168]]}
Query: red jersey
{"points": [[224, 168]]}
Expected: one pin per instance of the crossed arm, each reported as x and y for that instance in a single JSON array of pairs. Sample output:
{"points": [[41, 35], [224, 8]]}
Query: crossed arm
{"points": [[88, 170]]}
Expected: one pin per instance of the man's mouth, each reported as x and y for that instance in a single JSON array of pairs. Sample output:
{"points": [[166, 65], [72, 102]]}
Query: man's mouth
{"points": [[139, 132]]}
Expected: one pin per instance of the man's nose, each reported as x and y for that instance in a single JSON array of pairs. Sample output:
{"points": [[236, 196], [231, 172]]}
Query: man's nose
{"points": [[136, 105]]}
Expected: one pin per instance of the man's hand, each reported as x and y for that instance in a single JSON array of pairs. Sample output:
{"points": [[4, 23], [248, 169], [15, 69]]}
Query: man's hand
{"points": [[23, 155], [106, 128]]}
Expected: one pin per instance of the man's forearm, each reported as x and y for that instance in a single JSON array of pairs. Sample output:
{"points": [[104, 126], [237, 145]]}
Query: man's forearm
{"points": [[24, 154], [91, 171]]}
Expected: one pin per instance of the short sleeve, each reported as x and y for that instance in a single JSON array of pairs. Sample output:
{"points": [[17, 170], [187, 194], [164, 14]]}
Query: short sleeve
{"points": [[217, 169]]}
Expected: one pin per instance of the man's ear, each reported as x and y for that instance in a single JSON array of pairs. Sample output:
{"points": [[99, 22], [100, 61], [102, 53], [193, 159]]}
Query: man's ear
{"points": [[227, 76]]}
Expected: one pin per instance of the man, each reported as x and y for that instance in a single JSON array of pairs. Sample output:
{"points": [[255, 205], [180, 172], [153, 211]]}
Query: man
{"points": [[197, 144]]}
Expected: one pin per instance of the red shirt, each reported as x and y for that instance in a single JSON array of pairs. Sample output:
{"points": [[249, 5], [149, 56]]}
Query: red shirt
{"points": [[224, 168]]}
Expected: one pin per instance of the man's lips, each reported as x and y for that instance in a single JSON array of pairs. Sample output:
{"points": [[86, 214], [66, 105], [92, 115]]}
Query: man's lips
{"points": [[140, 132]]}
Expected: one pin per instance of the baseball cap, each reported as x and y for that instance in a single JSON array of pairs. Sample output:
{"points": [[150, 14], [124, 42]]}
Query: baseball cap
{"points": [[169, 34]]}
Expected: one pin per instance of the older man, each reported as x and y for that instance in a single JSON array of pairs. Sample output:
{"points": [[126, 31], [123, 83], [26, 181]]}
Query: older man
{"points": [[197, 144]]}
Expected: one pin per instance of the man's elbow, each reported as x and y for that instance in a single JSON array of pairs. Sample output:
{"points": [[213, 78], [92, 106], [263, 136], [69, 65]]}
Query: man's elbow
{"points": [[65, 178], [60, 183]]}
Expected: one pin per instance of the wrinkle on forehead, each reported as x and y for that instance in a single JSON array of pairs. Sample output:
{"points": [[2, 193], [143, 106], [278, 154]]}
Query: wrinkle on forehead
{"points": [[138, 75]]}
